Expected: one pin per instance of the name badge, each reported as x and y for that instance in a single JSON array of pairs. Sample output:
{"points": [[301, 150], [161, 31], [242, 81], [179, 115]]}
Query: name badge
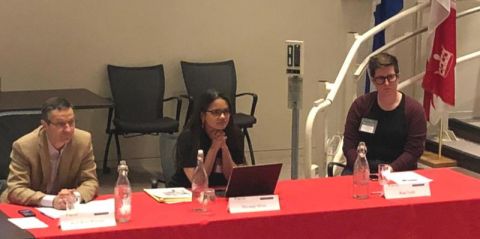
{"points": [[368, 125]]}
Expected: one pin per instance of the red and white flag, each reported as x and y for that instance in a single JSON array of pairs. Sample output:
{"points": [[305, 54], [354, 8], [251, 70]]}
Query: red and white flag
{"points": [[439, 76]]}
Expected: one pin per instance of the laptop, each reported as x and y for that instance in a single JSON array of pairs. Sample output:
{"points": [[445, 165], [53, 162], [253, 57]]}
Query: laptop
{"points": [[253, 180]]}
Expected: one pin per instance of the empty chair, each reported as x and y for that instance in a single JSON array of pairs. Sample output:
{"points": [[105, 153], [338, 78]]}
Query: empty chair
{"points": [[222, 77], [138, 97]]}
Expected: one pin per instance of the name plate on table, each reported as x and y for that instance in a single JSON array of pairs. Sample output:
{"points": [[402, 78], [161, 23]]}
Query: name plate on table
{"points": [[253, 204], [87, 220], [97, 213], [406, 185]]}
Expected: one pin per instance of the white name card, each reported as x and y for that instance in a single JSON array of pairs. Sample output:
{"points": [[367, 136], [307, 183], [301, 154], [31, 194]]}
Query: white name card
{"points": [[253, 204], [87, 220], [406, 185], [394, 191]]}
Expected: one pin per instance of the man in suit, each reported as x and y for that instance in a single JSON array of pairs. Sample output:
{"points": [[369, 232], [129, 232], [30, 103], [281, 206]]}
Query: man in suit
{"points": [[53, 162]]}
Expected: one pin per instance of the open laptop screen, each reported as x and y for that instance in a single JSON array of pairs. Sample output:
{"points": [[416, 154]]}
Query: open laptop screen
{"points": [[253, 180]]}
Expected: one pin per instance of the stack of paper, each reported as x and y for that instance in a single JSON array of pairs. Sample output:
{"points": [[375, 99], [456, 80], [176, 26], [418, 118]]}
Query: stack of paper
{"points": [[93, 207], [407, 177], [406, 185], [169, 195]]}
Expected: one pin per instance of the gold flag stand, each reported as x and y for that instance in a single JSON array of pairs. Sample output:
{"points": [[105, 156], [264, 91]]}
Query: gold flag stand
{"points": [[437, 160]]}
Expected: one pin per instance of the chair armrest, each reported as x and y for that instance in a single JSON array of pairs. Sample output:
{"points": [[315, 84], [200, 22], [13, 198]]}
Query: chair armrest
{"points": [[179, 106], [330, 167], [189, 108], [254, 101]]}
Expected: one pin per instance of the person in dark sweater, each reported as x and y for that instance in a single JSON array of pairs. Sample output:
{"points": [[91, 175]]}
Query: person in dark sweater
{"points": [[392, 125], [211, 129]]}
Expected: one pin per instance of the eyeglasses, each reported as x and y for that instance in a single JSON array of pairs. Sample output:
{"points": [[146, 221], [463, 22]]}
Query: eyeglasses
{"points": [[219, 112], [380, 80], [70, 123]]}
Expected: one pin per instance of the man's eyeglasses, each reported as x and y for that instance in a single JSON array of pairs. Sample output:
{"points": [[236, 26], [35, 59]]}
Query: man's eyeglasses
{"points": [[219, 112], [70, 123], [380, 80]]}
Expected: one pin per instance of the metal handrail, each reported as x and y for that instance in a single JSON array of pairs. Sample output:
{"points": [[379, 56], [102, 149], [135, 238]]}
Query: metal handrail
{"points": [[403, 84], [385, 47], [468, 12]]}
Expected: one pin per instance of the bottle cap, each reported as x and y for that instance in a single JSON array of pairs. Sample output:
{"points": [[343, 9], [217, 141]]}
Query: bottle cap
{"points": [[122, 166]]}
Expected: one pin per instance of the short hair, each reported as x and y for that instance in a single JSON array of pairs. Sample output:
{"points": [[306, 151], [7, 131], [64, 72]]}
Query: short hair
{"points": [[382, 60], [54, 103]]}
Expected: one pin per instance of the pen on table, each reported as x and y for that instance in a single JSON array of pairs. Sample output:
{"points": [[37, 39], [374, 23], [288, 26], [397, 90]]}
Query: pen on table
{"points": [[409, 180], [100, 213]]}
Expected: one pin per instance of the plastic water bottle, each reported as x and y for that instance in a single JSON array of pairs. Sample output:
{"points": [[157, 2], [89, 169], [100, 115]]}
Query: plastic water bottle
{"points": [[361, 173], [199, 183], [123, 194]]}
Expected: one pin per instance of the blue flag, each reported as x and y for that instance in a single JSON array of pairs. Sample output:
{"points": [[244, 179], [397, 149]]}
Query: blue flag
{"points": [[383, 11]]}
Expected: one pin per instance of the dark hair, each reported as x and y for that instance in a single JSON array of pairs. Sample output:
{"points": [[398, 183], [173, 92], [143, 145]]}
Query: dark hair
{"points": [[195, 124], [54, 103], [381, 60]]}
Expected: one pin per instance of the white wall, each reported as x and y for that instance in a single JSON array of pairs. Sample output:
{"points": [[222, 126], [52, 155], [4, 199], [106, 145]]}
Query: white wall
{"points": [[47, 44]]}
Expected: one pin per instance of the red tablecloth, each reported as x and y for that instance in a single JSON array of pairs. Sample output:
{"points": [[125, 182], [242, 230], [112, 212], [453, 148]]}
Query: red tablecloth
{"points": [[315, 208]]}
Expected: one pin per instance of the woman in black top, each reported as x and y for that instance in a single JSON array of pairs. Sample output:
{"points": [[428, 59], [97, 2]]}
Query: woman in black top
{"points": [[211, 129]]}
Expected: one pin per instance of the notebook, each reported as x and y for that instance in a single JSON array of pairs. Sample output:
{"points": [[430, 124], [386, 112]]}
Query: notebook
{"points": [[253, 180]]}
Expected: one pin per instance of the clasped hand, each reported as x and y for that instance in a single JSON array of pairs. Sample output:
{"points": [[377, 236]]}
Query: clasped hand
{"points": [[219, 140], [59, 202]]}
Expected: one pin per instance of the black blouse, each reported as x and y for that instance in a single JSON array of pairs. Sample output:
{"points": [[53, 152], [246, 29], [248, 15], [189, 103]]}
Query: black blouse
{"points": [[186, 157]]}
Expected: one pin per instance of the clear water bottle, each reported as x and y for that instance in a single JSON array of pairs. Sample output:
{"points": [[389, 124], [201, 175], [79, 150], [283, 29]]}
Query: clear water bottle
{"points": [[123, 195], [361, 173], [199, 183]]}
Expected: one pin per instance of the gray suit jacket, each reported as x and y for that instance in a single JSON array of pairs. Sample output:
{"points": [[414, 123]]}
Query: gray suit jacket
{"points": [[30, 168]]}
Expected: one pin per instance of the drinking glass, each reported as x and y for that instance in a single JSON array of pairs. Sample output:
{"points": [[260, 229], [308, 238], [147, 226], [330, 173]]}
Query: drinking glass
{"points": [[208, 198], [383, 171], [71, 204]]}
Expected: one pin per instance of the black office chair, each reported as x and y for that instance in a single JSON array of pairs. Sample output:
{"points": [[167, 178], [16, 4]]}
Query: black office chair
{"points": [[138, 97], [330, 168], [221, 76], [13, 127]]}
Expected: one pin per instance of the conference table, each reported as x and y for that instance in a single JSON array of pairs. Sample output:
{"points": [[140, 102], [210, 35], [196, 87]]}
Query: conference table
{"points": [[310, 208]]}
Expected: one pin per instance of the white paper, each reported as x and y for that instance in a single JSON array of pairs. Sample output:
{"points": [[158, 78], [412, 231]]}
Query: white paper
{"points": [[407, 177], [253, 204], [169, 193], [92, 207], [28, 222]]}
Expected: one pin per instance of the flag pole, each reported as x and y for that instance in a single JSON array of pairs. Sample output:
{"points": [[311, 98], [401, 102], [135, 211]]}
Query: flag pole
{"points": [[440, 139]]}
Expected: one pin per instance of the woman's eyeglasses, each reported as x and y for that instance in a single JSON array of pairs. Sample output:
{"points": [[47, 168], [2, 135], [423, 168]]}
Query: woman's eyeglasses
{"points": [[380, 80], [219, 112]]}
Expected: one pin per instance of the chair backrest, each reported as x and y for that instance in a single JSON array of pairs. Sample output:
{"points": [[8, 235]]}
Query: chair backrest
{"points": [[137, 92], [200, 77], [12, 128]]}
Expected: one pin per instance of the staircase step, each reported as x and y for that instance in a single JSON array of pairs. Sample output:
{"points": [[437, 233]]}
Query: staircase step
{"points": [[468, 129]]}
